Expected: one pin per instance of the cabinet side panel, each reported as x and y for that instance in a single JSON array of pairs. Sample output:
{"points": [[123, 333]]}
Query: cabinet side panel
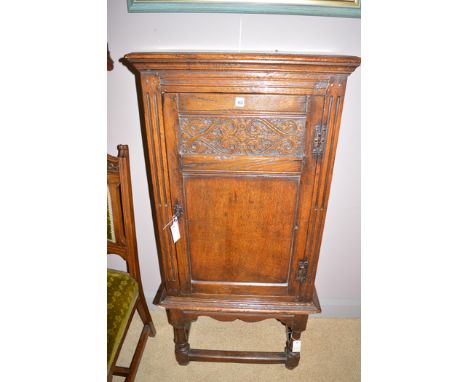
{"points": [[324, 158], [150, 106]]}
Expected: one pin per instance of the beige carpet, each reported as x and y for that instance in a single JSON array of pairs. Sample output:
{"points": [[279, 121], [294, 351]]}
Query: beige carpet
{"points": [[330, 351]]}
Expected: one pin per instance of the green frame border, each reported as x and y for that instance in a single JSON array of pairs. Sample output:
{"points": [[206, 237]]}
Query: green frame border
{"points": [[136, 6]]}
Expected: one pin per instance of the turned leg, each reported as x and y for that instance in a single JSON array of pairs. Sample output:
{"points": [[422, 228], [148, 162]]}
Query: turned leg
{"points": [[294, 333], [181, 330]]}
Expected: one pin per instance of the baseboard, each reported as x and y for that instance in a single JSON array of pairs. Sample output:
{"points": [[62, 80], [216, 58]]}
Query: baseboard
{"points": [[334, 308]]}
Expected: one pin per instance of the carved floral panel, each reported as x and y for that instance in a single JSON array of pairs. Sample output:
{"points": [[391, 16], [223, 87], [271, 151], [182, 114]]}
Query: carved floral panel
{"points": [[242, 136]]}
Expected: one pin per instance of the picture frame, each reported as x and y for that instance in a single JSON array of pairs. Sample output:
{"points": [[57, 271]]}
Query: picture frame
{"points": [[331, 8]]}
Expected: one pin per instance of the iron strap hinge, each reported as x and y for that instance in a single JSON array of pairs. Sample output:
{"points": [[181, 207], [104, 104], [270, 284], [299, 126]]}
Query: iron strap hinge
{"points": [[320, 140], [302, 269]]}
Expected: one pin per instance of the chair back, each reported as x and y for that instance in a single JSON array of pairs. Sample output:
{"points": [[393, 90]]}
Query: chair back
{"points": [[121, 234]]}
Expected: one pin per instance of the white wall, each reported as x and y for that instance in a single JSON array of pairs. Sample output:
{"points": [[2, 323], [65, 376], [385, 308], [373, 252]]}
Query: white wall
{"points": [[338, 277]]}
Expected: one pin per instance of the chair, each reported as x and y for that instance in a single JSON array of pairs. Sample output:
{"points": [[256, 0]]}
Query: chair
{"points": [[124, 289]]}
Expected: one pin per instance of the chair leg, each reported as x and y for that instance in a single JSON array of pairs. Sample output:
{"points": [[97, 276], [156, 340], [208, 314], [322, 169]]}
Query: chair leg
{"points": [[148, 330], [114, 366], [145, 316], [138, 353]]}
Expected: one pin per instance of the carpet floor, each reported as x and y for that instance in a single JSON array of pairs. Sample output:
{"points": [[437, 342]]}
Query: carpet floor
{"points": [[330, 351]]}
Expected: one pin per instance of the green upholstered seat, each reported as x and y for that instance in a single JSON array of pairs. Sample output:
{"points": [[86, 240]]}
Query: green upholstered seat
{"points": [[122, 293]]}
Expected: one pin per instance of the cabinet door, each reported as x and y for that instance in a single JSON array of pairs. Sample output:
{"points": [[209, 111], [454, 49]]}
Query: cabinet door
{"points": [[240, 168]]}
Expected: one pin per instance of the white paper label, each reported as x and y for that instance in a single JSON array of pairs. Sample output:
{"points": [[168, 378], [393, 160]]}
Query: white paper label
{"points": [[240, 102], [175, 230], [296, 348]]}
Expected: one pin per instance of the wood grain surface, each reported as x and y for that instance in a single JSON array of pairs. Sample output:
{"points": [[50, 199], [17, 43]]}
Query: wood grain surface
{"points": [[242, 145]]}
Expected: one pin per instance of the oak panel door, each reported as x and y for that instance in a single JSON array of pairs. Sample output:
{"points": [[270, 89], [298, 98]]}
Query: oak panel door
{"points": [[242, 176]]}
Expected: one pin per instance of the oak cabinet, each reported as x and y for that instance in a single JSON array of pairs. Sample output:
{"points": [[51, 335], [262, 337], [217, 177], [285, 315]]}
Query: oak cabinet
{"points": [[240, 149]]}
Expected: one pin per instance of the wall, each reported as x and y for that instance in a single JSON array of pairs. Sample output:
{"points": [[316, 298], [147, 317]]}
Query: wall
{"points": [[338, 277]]}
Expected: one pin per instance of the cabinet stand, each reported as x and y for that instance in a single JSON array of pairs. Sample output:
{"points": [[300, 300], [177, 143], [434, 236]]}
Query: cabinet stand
{"points": [[181, 321]]}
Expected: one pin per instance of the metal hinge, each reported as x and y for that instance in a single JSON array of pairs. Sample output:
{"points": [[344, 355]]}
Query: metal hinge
{"points": [[302, 269], [320, 140]]}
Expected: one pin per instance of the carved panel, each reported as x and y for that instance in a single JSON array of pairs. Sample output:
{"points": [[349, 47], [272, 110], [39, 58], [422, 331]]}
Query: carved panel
{"points": [[242, 136]]}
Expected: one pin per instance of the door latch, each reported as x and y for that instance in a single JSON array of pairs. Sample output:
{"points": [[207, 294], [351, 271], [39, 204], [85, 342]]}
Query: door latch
{"points": [[178, 210]]}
